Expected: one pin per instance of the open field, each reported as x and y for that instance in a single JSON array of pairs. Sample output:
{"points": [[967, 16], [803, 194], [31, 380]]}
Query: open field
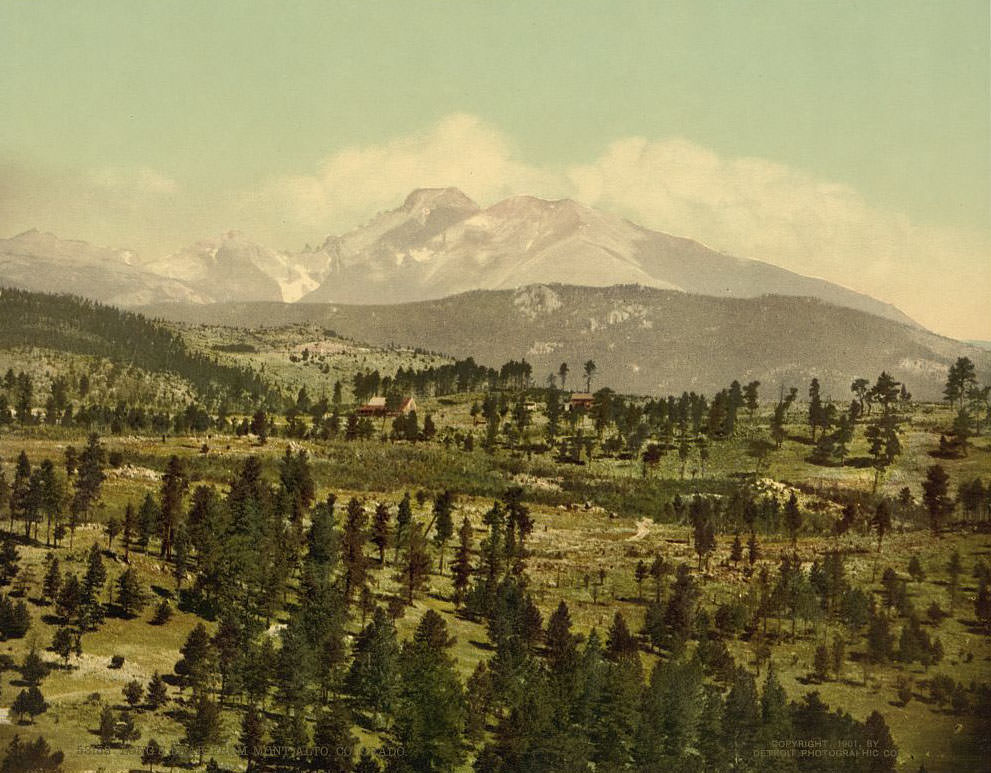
{"points": [[592, 524]]}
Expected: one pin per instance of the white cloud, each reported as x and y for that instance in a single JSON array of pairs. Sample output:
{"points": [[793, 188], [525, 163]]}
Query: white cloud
{"points": [[756, 208], [750, 207], [354, 183]]}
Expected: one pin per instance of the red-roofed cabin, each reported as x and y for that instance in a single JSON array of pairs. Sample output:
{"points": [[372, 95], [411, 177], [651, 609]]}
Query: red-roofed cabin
{"points": [[409, 404], [374, 407], [581, 401]]}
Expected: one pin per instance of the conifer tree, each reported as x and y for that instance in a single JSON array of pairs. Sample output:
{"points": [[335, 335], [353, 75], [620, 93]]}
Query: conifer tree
{"points": [[740, 721], [128, 528], [372, 679], [157, 691], [353, 539], [152, 755], [793, 518], [936, 497], [332, 736], [881, 521], [879, 738], [415, 568], [430, 709], [52, 582], [88, 482], [404, 517], [251, 739], [381, 532], [20, 492], [173, 490], [94, 580], [131, 597], [461, 568], [204, 726], [443, 524]]}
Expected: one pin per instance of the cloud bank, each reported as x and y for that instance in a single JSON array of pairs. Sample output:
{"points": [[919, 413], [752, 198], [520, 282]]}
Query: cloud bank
{"points": [[750, 207]]}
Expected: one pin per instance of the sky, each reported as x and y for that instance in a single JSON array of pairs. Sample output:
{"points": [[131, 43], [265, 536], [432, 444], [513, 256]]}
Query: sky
{"points": [[846, 140]]}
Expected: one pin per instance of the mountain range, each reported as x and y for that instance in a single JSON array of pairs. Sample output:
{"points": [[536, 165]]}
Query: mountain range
{"points": [[437, 243], [643, 340]]}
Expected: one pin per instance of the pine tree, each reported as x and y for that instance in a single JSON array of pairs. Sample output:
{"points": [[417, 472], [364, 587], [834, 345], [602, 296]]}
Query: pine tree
{"points": [[883, 444], [415, 569], [204, 727], [133, 693], [620, 643], [95, 578], [252, 736], [128, 527], [672, 711], [372, 678], [157, 691], [29, 702], [816, 410], [147, 520], [615, 714], [52, 582], [322, 538], [740, 720], [88, 483], [64, 643], [936, 496], [50, 496], [561, 643], [775, 721], [443, 524], [404, 517], [879, 738], [793, 518], [163, 613], [430, 710], [960, 378], [197, 662], [20, 492], [381, 532], [131, 597], [152, 755], [461, 568], [353, 548], [70, 596], [174, 487], [107, 730], [954, 568], [736, 550], [332, 733]]}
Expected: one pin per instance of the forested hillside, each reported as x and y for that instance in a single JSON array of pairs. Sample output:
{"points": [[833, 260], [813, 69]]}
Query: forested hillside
{"points": [[650, 341], [69, 324]]}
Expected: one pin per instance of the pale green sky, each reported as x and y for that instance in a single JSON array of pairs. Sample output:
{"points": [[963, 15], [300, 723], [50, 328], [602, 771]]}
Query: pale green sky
{"points": [[205, 101]]}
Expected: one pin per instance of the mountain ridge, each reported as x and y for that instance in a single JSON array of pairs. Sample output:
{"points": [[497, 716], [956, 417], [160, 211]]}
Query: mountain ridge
{"points": [[644, 340], [525, 240], [437, 243]]}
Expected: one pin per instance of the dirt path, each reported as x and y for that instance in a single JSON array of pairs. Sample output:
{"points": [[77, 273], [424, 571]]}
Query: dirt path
{"points": [[643, 529]]}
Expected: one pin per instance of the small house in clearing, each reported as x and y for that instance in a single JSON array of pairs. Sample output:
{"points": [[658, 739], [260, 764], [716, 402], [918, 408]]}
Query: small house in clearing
{"points": [[377, 406], [374, 407], [581, 401]]}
